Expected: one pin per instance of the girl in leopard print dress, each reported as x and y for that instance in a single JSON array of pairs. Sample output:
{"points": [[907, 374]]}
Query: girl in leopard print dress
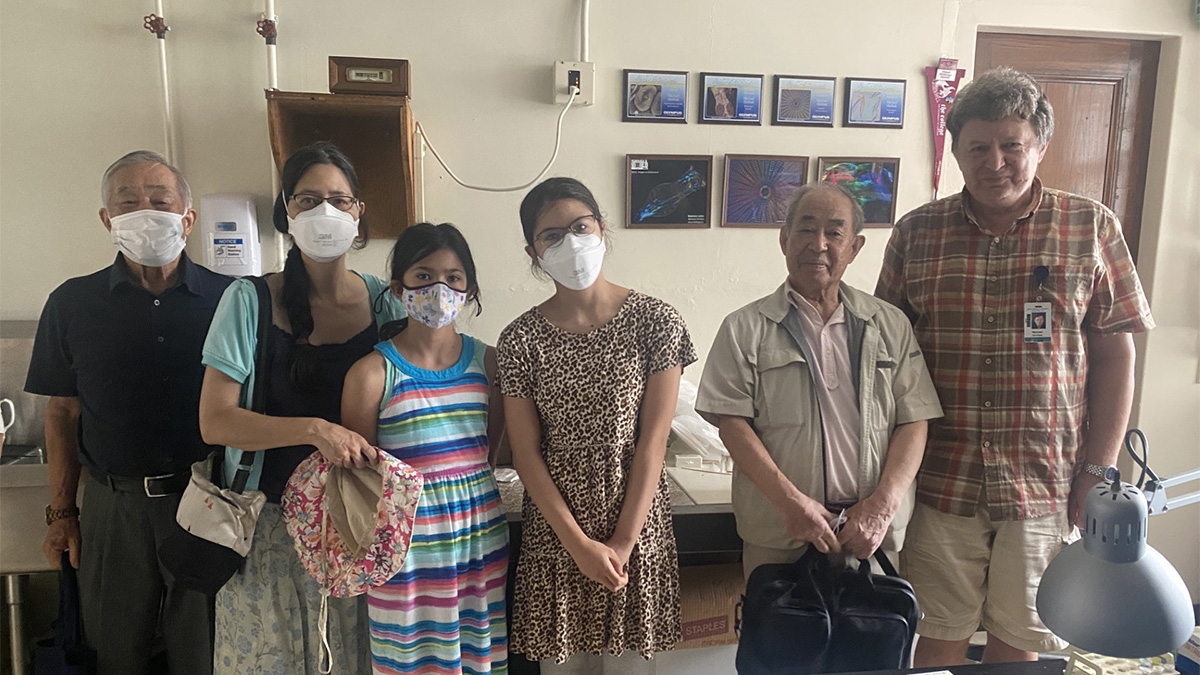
{"points": [[590, 378]]}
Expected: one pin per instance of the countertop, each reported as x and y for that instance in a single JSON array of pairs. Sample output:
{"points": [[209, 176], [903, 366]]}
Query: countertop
{"points": [[513, 492]]}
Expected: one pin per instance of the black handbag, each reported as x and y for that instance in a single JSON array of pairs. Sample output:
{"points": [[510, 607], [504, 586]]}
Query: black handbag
{"points": [[813, 617], [66, 653], [195, 562]]}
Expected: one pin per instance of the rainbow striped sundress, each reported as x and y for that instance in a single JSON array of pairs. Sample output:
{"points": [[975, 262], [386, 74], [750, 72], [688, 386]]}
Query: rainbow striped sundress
{"points": [[444, 612]]}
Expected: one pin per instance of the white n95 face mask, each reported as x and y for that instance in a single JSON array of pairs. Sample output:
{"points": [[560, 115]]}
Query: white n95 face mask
{"points": [[324, 233], [575, 261], [148, 237]]}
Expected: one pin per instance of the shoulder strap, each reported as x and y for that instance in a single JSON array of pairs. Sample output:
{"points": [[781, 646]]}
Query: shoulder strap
{"points": [[480, 355], [856, 330], [258, 398], [388, 350], [885, 564], [258, 401]]}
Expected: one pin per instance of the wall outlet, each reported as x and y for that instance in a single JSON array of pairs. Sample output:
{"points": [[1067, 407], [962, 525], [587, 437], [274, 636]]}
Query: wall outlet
{"points": [[582, 75]]}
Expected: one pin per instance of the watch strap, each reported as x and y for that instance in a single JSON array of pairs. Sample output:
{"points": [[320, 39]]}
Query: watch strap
{"points": [[53, 514], [1096, 470]]}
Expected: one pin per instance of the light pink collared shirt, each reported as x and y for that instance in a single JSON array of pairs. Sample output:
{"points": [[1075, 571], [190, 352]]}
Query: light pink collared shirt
{"points": [[840, 417]]}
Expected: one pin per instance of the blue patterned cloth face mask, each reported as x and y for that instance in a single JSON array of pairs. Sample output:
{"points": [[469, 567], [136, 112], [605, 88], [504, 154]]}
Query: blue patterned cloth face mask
{"points": [[435, 305]]}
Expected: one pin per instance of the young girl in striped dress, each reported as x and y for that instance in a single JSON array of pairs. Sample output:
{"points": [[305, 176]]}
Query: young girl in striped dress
{"points": [[424, 396]]}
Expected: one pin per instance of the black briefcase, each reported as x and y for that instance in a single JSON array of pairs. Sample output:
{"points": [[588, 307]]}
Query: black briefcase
{"points": [[813, 617]]}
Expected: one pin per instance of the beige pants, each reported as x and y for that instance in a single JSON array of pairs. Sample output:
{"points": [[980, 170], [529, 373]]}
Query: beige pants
{"points": [[972, 572]]}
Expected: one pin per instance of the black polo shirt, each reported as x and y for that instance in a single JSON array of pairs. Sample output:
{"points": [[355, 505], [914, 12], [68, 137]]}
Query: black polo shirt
{"points": [[133, 359]]}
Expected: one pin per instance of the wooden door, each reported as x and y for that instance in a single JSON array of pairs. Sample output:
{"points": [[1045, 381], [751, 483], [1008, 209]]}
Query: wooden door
{"points": [[1102, 91]]}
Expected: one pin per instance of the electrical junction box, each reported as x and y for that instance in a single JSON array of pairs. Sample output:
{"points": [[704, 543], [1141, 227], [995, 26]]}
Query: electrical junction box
{"points": [[229, 230], [582, 75]]}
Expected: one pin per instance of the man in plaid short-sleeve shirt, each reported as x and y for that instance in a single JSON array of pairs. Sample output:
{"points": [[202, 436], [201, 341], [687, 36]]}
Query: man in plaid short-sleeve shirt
{"points": [[1034, 412]]}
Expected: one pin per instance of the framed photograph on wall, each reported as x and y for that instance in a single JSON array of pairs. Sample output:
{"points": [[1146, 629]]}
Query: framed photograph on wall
{"points": [[758, 187], [804, 101], [726, 98], [874, 103], [655, 96], [872, 181], [668, 190]]}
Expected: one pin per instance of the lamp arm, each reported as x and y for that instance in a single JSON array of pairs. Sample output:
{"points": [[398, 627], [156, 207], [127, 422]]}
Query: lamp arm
{"points": [[1188, 477], [1156, 492]]}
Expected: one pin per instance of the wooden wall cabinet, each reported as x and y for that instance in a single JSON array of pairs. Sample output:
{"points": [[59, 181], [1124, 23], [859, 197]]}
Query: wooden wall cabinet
{"points": [[375, 132]]}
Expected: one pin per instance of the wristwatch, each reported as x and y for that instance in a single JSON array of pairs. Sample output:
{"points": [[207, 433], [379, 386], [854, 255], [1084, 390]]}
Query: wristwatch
{"points": [[1097, 470], [53, 514]]}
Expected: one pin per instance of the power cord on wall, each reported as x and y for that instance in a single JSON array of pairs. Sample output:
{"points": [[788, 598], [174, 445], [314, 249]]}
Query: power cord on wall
{"points": [[557, 143]]}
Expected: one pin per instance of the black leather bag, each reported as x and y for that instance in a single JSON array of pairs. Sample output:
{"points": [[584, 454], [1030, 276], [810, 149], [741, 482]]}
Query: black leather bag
{"points": [[813, 617], [66, 653], [194, 562]]}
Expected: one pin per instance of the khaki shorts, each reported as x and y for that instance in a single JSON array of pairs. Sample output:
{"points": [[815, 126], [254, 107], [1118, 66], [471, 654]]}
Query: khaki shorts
{"points": [[972, 572]]}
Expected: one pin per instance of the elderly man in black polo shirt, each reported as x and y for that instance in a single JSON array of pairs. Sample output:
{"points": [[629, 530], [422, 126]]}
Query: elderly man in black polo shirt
{"points": [[118, 353]]}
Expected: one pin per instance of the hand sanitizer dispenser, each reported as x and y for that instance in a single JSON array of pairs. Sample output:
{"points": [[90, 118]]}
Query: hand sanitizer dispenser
{"points": [[230, 234]]}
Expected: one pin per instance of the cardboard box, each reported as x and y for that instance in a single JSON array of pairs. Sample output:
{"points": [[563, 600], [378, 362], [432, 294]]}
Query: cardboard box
{"points": [[709, 597], [1188, 661]]}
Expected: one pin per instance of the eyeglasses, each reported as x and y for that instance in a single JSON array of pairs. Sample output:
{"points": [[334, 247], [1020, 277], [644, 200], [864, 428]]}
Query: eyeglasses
{"points": [[307, 202], [554, 236]]}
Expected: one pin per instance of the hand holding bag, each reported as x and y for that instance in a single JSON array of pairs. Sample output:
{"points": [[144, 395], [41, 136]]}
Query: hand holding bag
{"points": [[813, 617], [66, 653], [351, 527], [216, 523]]}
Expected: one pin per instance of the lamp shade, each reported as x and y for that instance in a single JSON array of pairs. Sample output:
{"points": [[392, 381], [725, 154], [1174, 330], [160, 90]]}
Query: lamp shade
{"points": [[1110, 593]]}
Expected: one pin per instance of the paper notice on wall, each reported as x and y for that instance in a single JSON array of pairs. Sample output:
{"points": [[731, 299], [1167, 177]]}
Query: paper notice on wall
{"points": [[229, 250], [943, 85]]}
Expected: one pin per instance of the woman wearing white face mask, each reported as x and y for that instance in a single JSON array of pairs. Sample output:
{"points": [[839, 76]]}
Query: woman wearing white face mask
{"points": [[590, 379], [324, 319]]}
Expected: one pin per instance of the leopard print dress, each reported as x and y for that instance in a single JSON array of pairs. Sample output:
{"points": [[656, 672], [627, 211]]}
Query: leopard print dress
{"points": [[588, 391]]}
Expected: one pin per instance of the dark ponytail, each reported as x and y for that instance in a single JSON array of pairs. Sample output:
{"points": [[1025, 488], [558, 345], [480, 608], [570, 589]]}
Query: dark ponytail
{"points": [[297, 285]]}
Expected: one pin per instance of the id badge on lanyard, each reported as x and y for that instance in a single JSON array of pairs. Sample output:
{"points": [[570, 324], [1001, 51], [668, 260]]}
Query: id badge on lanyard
{"points": [[1038, 316]]}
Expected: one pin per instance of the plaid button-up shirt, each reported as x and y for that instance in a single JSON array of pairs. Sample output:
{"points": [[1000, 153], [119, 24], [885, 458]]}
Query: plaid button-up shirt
{"points": [[1015, 410]]}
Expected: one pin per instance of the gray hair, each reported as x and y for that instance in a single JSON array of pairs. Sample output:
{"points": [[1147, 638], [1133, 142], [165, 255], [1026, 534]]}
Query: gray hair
{"points": [[999, 93], [856, 211], [145, 157]]}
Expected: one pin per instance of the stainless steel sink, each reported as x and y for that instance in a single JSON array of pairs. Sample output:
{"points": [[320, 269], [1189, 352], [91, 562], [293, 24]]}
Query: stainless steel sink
{"points": [[22, 454], [24, 493]]}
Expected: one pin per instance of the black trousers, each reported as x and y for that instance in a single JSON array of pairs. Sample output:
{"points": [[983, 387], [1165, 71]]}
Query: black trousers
{"points": [[127, 598]]}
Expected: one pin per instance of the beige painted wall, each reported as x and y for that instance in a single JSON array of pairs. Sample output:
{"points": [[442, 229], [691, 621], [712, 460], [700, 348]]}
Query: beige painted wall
{"points": [[77, 93]]}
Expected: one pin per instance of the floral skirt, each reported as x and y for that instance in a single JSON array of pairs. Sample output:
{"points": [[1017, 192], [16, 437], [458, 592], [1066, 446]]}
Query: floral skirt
{"points": [[266, 616]]}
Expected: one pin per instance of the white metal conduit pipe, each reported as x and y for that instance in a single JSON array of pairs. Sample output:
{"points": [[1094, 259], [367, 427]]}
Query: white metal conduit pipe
{"points": [[157, 24], [268, 28], [585, 38], [272, 65]]}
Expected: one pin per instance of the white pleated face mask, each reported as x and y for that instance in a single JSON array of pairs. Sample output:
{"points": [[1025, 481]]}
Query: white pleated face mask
{"points": [[148, 237], [575, 262], [325, 233]]}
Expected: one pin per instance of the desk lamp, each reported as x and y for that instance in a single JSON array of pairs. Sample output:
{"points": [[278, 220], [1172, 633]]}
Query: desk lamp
{"points": [[1110, 593]]}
